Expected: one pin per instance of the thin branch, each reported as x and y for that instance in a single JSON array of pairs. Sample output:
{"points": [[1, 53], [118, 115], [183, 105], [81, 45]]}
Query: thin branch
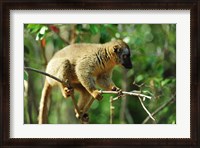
{"points": [[146, 109], [111, 110], [133, 93], [44, 73], [170, 101], [118, 97], [139, 86], [125, 93]]}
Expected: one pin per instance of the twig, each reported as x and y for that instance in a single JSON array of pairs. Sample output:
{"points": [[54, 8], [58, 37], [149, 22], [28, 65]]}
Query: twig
{"points": [[139, 86], [119, 96], [134, 93], [146, 109], [111, 110], [44, 73], [125, 93], [159, 109]]}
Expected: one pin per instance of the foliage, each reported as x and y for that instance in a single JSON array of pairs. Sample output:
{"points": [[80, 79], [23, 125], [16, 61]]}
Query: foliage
{"points": [[153, 48]]}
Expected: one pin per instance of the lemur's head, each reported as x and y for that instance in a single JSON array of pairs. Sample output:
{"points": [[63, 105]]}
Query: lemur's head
{"points": [[122, 53]]}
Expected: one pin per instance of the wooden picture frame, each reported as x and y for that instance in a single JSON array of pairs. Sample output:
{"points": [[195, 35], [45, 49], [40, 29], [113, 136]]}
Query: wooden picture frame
{"points": [[192, 5]]}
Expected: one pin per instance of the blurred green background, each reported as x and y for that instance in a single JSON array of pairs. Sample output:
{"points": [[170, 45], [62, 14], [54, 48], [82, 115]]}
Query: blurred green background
{"points": [[153, 49]]}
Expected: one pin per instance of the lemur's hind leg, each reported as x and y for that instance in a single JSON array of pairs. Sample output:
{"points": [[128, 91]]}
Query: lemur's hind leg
{"points": [[84, 98], [64, 74]]}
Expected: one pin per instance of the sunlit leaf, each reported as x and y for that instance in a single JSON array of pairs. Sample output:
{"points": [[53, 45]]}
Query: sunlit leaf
{"points": [[164, 82], [139, 78], [43, 30]]}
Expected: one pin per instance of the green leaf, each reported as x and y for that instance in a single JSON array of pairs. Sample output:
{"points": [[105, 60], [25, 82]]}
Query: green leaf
{"points": [[79, 27], [43, 29], [33, 28], [25, 76], [139, 78], [94, 29], [164, 82], [40, 35]]}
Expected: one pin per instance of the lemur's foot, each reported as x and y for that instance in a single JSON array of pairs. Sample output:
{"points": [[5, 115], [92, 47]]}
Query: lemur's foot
{"points": [[83, 117], [68, 91]]}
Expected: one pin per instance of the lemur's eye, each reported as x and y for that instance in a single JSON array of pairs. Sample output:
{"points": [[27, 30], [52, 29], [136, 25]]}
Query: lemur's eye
{"points": [[116, 48], [125, 56]]}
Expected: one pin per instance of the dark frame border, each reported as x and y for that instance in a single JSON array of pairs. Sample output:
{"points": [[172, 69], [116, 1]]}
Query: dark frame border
{"points": [[192, 5]]}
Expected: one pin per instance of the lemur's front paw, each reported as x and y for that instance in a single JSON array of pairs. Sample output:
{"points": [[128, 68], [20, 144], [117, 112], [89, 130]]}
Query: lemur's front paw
{"points": [[97, 95], [114, 88]]}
